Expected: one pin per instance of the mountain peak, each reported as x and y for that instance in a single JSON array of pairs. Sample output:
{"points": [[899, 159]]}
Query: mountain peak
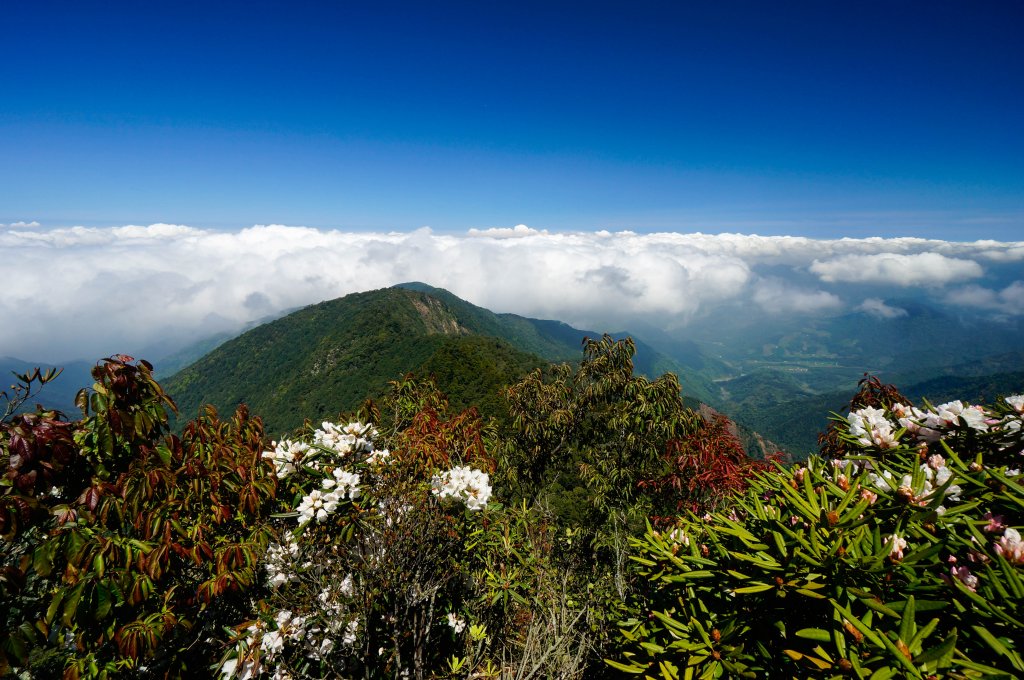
{"points": [[437, 318]]}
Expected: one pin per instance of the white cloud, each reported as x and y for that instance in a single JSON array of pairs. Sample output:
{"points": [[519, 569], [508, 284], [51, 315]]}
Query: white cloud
{"points": [[877, 308], [518, 231], [776, 296], [1013, 253], [1009, 300], [919, 269], [87, 292], [21, 225]]}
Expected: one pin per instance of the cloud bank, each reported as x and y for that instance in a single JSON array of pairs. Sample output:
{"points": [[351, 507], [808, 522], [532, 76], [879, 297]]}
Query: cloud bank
{"points": [[88, 292]]}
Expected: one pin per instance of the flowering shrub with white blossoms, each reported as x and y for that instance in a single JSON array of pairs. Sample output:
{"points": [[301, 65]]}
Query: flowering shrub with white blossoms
{"points": [[902, 559], [367, 549], [472, 487]]}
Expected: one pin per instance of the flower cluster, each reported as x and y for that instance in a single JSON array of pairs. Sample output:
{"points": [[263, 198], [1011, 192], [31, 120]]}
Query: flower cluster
{"points": [[280, 560], [286, 456], [1011, 547], [922, 488], [933, 481], [347, 439], [320, 586], [874, 427], [456, 622], [466, 484], [317, 505], [339, 484], [343, 483], [871, 428], [287, 628]]}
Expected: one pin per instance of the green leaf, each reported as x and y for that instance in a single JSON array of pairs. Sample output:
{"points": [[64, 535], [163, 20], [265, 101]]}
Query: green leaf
{"points": [[758, 588], [908, 626], [634, 669], [879, 606], [104, 602], [997, 645], [814, 634], [71, 603], [51, 611], [942, 653], [810, 593], [42, 557]]}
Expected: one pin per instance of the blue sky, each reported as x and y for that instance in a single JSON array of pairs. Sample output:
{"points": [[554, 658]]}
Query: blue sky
{"points": [[820, 119]]}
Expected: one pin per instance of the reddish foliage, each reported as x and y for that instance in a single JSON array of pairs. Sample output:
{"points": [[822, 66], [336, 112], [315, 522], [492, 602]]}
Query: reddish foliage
{"points": [[703, 469], [431, 442]]}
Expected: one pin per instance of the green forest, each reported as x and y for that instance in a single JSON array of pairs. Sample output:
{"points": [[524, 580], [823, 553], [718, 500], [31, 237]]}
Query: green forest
{"points": [[582, 521]]}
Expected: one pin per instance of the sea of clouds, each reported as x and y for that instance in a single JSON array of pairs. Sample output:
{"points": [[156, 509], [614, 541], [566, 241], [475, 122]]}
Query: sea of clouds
{"points": [[83, 292]]}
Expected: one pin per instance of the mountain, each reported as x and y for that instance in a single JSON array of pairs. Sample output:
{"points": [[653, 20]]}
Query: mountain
{"points": [[796, 422], [328, 357], [781, 378], [558, 341]]}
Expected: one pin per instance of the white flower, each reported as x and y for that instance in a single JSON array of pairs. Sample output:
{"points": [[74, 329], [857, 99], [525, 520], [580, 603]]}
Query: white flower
{"points": [[911, 419], [939, 478], [286, 456], [326, 647], [343, 440], [975, 418], [677, 535], [1016, 402], [243, 669], [1011, 547], [456, 622], [380, 457], [883, 482], [348, 638], [279, 560], [317, 505], [470, 486], [347, 483], [872, 428], [948, 414], [896, 547], [272, 644]]}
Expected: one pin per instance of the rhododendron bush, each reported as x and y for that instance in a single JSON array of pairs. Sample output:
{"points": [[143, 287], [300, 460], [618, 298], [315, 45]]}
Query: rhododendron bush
{"points": [[902, 558], [374, 569]]}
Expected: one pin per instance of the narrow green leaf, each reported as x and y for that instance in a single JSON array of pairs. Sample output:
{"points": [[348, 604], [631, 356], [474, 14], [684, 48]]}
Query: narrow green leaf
{"points": [[941, 653], [908, 625]]}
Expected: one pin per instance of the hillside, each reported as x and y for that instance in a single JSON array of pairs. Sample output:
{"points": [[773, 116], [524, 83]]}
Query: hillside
{"points": [[783, 378], [795, 423], [558, 341], [328, 357]]}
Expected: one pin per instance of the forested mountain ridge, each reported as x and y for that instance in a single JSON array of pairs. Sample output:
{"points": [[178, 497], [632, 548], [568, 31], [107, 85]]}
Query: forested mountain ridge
{"points": [[555, 340], [328, 357]]}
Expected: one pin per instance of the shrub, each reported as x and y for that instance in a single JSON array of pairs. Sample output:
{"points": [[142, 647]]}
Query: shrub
{"points": [[147, 549], [903, 560], [398, 561]]}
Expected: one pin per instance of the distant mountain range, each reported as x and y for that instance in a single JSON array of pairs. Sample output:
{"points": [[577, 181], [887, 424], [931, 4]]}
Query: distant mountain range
{"points": [[784, 380], [780, 380]]}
